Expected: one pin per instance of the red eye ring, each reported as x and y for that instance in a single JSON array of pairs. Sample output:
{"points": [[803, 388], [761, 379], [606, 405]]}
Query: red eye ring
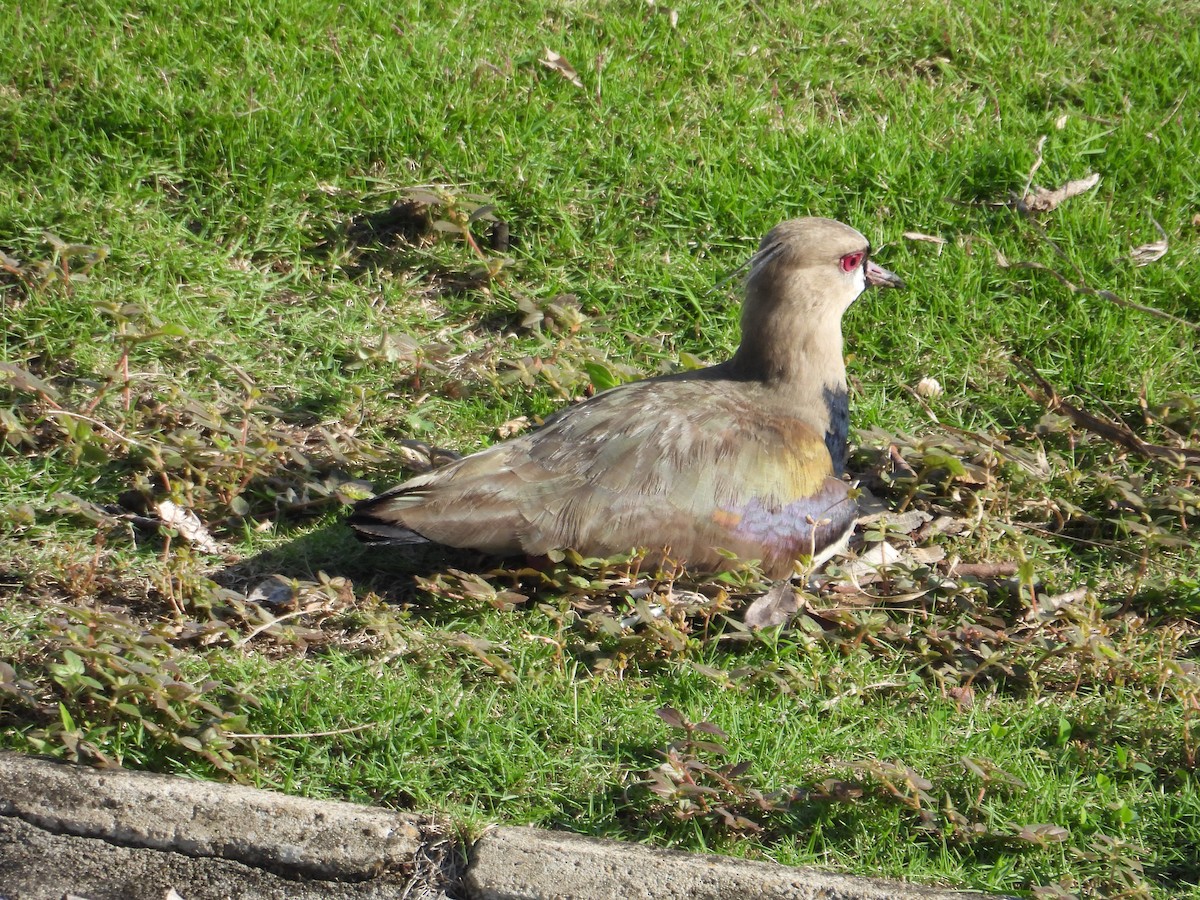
{"points": [[852, 261]]}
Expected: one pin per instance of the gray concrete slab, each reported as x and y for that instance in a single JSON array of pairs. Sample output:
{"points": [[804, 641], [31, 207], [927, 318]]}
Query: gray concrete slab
{"points": [[205, 819], [530, 864], [38, 865]]}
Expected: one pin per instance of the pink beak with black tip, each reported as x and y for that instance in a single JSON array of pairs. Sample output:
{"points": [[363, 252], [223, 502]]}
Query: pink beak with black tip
{"points": [[878, 276]]}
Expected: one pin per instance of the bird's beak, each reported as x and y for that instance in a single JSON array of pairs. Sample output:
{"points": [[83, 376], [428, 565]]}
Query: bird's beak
{"points": [[881, 277]]}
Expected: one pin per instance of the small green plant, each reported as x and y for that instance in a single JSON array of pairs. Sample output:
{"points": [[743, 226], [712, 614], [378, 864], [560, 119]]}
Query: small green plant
{"points": [[692, 784], [99, 680]]}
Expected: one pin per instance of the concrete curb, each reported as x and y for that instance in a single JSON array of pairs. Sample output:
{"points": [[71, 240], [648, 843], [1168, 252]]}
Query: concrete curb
{"points": [[206, 819], [113, 834], [530, 864]]}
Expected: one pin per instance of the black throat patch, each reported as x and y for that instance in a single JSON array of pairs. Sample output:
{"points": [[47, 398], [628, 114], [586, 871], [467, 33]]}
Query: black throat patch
{"points": [[837, 401]]}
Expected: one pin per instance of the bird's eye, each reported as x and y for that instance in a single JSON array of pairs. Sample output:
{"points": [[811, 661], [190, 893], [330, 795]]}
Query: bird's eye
{"points": [[852, 261]]}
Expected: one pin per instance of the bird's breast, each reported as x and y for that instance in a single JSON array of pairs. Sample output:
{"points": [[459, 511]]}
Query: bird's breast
{"points": [[779, 488]]}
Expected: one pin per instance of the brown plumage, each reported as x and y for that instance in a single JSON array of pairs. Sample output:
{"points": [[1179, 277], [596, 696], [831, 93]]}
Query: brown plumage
{"points": [[745, 456]]}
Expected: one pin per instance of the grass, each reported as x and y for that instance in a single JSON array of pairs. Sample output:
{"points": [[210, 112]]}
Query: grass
{"points": [[238, 345]]}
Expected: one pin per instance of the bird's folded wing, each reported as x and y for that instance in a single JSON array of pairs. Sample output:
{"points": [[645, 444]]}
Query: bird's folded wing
{"points": [[669, 466]]}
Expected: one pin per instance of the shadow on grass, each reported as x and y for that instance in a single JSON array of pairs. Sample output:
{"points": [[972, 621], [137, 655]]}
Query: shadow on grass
{"points": [[391, 571]]}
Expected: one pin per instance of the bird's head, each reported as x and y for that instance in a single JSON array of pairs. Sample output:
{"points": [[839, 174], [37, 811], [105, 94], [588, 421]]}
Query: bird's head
{"points": [[805, 274], [818, 263]]}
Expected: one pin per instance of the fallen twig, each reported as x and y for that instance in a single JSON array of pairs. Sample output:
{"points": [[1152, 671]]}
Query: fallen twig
{"points": [[1082, 288], [982, 571], [1115, 432]]}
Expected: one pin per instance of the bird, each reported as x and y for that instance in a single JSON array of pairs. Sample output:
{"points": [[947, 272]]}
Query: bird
{"points": [[737, 462]]}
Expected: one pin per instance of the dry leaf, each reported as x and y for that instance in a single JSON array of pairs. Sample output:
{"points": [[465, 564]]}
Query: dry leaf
{"points": [[188, 525], [560, 65], [953, 525], [963, 697], [275, 591], [413, 458], [1148, 253], [872, 559], [927, 556], [1042, 200], [512, 427], [1056, 602], [774, 607], [869, 505], [1043, 834], [26, 381], [896, 522], [420, 457], [926, 238]]}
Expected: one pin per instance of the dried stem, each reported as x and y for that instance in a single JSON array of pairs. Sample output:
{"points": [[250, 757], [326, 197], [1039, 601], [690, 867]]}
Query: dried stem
{"points": [[1115, 432]]}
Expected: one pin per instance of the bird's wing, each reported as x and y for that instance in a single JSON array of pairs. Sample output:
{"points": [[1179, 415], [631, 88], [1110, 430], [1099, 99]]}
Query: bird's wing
{"points": [[677, 466]]}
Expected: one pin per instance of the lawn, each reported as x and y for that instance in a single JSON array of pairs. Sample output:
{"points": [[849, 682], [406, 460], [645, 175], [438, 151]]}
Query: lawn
{"points": [[263, 258]]}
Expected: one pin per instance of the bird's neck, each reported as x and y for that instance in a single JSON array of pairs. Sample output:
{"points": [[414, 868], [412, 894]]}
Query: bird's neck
{"points": [[792, 357], [805, 376]]}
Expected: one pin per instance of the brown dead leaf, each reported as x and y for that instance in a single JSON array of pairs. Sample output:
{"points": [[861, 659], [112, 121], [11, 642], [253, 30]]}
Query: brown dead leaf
{"points": [[949, 525], [26, 381], [927, 556], [896, 522], [1042, 200], [275, 591], [963, 697], [1043, 834], [774, 607], [1152, 252], [926, 238], [420, 457], [1056, 602], [553, 61], [512, 427], [873, 558]]}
